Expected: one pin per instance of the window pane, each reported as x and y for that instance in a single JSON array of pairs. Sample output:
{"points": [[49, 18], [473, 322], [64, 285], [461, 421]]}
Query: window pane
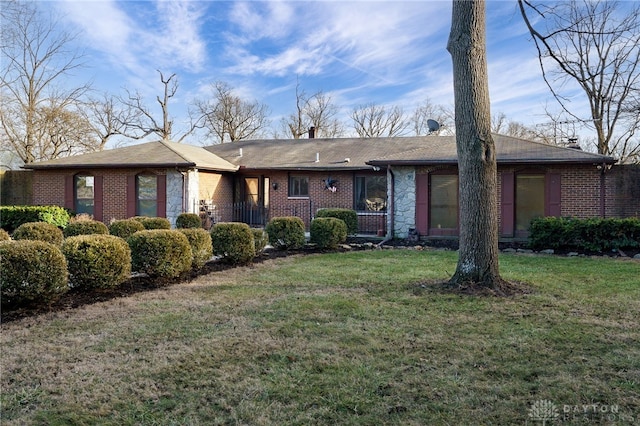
{"points": [[298, 186], [529, 199], [371, 193], [444, 202], [147, 196], [84, 194]]}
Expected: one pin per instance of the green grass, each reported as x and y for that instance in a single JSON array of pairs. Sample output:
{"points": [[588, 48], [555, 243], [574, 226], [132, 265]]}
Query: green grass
{"points": [[356, 338]]}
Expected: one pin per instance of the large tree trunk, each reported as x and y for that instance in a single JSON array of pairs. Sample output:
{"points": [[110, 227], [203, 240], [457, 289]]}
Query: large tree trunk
{"points": [[478, 255]]}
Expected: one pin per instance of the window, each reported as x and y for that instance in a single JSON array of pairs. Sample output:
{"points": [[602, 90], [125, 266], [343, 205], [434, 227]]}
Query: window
{"points": [[529, 200], [84, 190], [298, 186], [371, 193], [147, 195], [443, 200]]}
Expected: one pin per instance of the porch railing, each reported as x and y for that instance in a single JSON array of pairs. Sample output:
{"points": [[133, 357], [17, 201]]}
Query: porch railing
{"points": [[369, 222]]}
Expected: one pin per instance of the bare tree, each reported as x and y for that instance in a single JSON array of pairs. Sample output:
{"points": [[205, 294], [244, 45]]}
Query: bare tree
{"points": [[108, 118], [140, 122], [37, 59], [477, 168], [428, 111], [230, 118], [316, 111], [372, 121], [596, 45]]}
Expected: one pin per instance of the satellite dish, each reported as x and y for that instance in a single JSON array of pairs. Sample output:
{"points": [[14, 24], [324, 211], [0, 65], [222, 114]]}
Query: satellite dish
{"points": [[433, 125]]}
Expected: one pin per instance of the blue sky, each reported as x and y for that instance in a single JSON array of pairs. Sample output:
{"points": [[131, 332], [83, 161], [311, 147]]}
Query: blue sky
{"points": [[386, 52]]}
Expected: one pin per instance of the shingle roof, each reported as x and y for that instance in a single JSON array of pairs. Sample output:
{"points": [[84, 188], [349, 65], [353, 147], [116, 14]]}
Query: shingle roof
{"points": [[161, 154], [332, 154]]}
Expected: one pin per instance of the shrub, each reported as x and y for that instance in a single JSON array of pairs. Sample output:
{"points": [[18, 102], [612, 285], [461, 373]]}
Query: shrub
{"points": [[188, 220], [201, 246], [286, 233], [350, 218], [234, 242], [85, 227], [4, 235], [260, 239], [328, 232], [154, 222], [162, 253], [41, 231], [592, 235], [32, 271], [11, 217], [125, 228], [97, 261]]}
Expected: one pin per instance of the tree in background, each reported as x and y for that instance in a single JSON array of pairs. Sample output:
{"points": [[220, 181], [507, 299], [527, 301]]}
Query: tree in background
{"points": [[140, 122], [373, 121], [477, 168], [230, 118], [428, 111], [39, 119], [317, 110], [596, 46]]}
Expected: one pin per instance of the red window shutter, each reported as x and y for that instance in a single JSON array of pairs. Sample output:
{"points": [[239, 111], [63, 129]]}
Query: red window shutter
{"points": [[69, 193], [553, 194], [162, 195], [507, 204], [98, 214], [422, 203], [131, 196]]}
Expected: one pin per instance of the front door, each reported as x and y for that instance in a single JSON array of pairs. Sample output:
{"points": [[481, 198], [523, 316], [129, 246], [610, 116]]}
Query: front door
{"points": [[252, 200]]}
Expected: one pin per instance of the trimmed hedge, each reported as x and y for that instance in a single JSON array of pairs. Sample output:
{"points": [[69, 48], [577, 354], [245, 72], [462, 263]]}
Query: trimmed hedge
{"points": [[328, 232], [286, 233], [592, 235], [11, 217], [188, 220], [85, 227], [32, 271], [260, 239], [125, 228], [4, 235], [97, 261], [39, 231], [201, 246], [161, 253], [154, 222], [350, 218], [233, 241]]}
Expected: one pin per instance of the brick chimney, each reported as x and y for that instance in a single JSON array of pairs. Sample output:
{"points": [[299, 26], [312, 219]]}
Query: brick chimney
{"points": [[312, 132]]}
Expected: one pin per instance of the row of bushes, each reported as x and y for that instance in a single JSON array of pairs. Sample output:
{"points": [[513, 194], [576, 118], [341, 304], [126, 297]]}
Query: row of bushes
{"points": [[11, 217], [44, 261], [591, 235]]}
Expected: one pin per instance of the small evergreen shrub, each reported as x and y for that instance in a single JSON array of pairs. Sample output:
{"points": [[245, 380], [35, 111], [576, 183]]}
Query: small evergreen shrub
{"points": [[591, 235], [4, 235], [11, 217], [328, 232], [97, 261], [161, 253], [154, 222], [85, 227], [125, 228], [201, 246], [234, 242], [32, 271], [350, 218], [260, 239], [40, 231], [188, 220], [286, 233]]}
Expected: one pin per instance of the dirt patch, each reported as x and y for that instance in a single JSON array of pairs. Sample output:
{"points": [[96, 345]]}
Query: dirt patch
{"points": [[503, 289]]}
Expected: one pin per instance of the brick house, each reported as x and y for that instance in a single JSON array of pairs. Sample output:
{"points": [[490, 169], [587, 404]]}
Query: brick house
{"points": [[397, 185]]}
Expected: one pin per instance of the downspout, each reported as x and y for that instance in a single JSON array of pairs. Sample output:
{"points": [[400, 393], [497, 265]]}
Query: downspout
{"points": [[603, 190], [391, 208]]}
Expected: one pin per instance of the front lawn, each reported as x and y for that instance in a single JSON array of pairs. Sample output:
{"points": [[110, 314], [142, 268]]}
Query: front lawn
{"points": [[361, 338]]}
